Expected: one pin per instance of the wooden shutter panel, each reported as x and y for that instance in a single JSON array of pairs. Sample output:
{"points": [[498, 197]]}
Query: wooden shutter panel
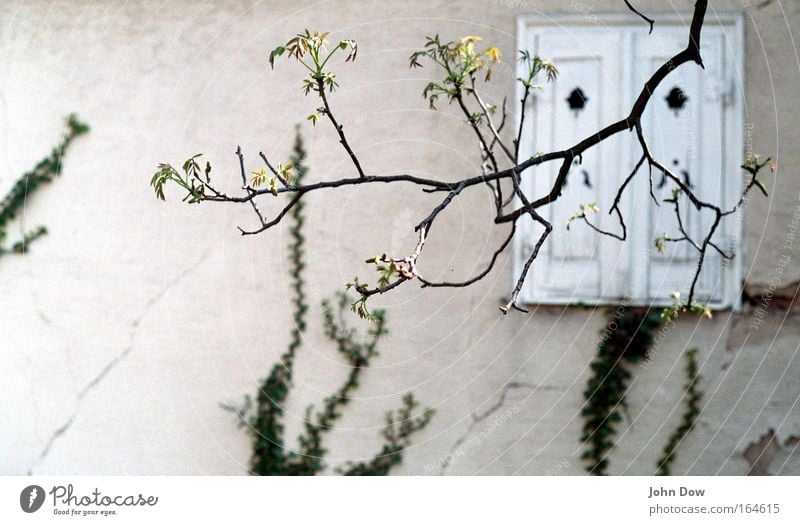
{"points": [[693, 124]]}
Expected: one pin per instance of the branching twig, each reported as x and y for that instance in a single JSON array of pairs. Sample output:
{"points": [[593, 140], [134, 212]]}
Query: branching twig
{"points": [[478, 277], [461, 61], [339, 130], [641, 15], [247, 186]]}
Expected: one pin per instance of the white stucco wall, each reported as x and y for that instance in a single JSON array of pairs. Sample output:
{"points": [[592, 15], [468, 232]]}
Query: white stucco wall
{"points": [[126, 326]]}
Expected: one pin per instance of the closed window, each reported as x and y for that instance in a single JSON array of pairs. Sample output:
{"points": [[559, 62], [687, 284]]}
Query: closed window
{"points": [[693, 124]]}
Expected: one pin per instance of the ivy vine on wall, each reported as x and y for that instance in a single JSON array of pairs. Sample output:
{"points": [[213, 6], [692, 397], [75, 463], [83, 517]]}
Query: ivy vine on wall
{"points": [[628, 338], [692, 398], [263, 417], [29, 183]]}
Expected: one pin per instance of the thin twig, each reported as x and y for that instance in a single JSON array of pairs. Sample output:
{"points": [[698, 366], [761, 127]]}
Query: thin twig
{"points": [[643, 17], [339, 130]]}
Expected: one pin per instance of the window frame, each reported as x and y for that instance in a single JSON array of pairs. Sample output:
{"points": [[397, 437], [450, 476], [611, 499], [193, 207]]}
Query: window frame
{"points": [[732, 26]]}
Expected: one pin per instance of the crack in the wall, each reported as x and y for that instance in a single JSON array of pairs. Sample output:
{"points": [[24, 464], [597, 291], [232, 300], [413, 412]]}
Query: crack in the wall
{"points": [[32, 392], [46, 320], [478, 418], [116, 360]]}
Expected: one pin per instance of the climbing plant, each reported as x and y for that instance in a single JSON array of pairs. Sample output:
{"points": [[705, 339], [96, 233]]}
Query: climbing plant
{"points": [[692, 397], [626, 339], [29, 183], [263, 417]]}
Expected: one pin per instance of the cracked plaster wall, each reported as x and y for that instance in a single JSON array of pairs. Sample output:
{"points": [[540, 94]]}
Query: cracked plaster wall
{"points": [[126, 326]]}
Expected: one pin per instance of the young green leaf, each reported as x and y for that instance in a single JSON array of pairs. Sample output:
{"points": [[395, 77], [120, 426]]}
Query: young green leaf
{"points": [[259, 178]]}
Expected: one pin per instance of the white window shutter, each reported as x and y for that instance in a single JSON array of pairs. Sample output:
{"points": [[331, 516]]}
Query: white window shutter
{"points": [[580, 101], [693, 125], [685, 127]]}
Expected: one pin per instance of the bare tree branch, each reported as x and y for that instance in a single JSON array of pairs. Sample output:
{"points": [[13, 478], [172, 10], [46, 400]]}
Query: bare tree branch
{"points": [[339, 130], [495, 133], [642, 16], [482, 274], [461, 61], [246, 186]]}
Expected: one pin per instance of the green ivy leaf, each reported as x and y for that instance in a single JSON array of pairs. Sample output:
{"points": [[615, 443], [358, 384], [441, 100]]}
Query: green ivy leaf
{"points": [[278, 51]]}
